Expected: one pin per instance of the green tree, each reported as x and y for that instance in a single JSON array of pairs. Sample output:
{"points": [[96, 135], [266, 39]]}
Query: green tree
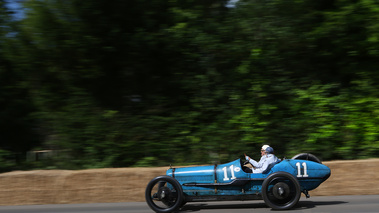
{"points": [[149, 82], [17, 127]]}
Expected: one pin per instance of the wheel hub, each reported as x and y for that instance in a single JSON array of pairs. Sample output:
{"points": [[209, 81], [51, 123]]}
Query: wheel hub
{"points": [[163, 193], [281, 190]]}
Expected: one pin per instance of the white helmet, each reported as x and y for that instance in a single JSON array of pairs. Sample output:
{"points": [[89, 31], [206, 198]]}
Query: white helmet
{"points": [[264, 147]]}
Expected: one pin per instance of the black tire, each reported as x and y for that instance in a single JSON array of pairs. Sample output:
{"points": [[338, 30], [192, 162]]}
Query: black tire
{"points": [[281, 191], [307, 156], [164, 194]]}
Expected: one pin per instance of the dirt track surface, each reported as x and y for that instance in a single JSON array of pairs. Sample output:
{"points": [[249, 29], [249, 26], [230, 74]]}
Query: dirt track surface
{"points": [[359, 177]]}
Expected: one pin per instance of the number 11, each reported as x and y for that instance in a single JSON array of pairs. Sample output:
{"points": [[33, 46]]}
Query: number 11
{"points": [[226, 174], [299, 169]]}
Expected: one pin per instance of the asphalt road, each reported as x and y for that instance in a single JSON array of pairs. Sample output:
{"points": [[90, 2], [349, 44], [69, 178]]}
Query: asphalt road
{"points": [[332, 204]]}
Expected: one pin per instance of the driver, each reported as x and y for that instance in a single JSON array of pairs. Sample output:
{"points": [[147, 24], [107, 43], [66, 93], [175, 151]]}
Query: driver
{"points": [[267, 158]]}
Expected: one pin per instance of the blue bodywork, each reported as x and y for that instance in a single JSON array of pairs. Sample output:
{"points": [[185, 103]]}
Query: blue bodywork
{"points": [[229, 182]]}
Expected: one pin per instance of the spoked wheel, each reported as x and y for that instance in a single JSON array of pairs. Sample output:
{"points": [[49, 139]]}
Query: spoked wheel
{"points": [[281, 191], [164, 194]]}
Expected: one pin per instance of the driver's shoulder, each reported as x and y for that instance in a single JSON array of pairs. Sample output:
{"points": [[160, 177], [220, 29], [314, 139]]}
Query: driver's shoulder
{"points": [[271, 157]]}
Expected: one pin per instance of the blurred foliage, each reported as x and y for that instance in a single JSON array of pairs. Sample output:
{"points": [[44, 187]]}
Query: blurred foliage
{"points": [[152, 83]]}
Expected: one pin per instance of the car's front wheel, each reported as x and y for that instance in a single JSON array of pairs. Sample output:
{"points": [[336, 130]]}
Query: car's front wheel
{"points": [[281, 191], [164, 194]]}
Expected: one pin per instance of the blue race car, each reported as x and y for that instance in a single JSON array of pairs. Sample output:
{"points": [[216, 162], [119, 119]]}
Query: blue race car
{"points": [[280, 186]]}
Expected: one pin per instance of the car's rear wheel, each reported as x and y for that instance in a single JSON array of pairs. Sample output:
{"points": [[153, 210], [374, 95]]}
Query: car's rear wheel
{"points": [[306, 156], [281, 191], [164, 194]]}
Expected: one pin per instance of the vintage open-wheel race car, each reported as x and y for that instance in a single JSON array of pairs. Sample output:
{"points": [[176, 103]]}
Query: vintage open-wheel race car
{"points": [[280, 186]]}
